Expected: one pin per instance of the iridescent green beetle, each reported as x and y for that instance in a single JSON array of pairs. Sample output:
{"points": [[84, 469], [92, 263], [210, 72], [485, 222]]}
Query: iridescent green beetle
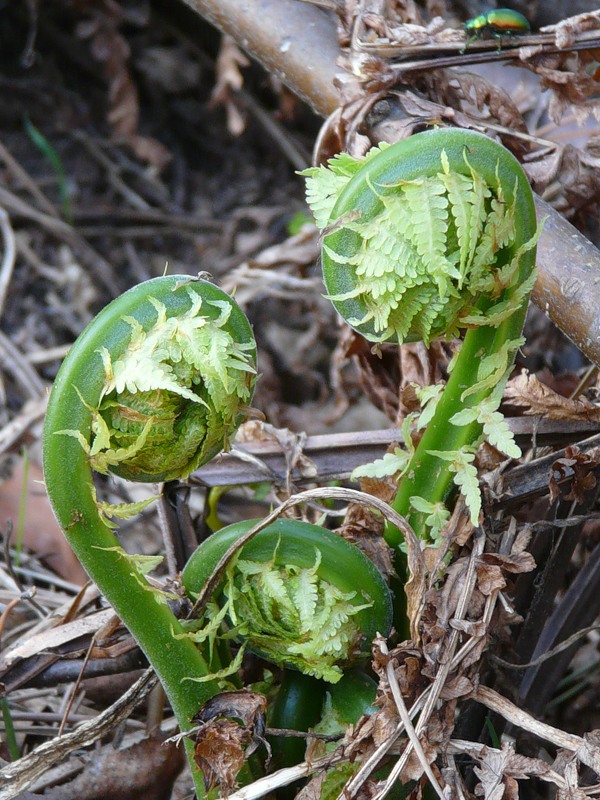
{"points": [[496, 24]]}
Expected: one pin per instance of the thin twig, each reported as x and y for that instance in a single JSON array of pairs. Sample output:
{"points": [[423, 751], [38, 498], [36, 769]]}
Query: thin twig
{"points": [[8, 259], [18, 775]]}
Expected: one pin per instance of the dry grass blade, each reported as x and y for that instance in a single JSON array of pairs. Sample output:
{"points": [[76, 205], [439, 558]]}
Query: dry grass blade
{"points": [[408, 726], [586, 752]]}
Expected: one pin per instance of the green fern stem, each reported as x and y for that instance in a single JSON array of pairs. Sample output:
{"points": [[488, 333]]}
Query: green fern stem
{"points": [[74, 443], [424, 238], [427, 475]]}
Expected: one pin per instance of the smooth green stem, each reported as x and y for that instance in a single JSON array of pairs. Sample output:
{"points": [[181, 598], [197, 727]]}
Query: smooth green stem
{"points": [[428, 476], [69, 484]]}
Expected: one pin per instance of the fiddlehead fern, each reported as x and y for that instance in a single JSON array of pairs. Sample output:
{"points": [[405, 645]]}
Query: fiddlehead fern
{"points": [[426, 237], [301, 596], [155, 386]]}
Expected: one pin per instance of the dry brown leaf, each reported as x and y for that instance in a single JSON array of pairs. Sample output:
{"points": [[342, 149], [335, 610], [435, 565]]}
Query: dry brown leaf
{"points": [[574, 474], [312, 790], [527, 391], [291, 444], [571, 791], [489, 578], [566, 31], [574, 91], [500, 769], [111, 49], [222, 744], [515, 563], [41, 532], [490, 100], [144, 771], [229, 80], [460, 686], [364, 528], [495, 782], [220, 753]]}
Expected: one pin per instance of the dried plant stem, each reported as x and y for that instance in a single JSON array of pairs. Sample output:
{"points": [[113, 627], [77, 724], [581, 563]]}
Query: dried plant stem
{"points": [[519, 717], [408, 726]]}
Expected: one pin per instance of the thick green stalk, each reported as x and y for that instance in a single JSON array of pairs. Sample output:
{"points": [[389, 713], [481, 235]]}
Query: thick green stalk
{"points": [[68, 477], [427, 475]]}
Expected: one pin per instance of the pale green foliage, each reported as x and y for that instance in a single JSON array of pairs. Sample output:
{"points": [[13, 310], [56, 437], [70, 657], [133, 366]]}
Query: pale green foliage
{"points": [[424, 261], [428, 397], [395, 463], [110, 511], [324, 184], [495, 429], [289, 614], [465, 476], [437, 516], [172, 398], [142, 565], [232, 668], [494, 368]]}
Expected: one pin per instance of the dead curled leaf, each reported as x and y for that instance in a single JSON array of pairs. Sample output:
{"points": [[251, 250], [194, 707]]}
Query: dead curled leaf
{"points": [[574, 474], [527, 391], [499, 771], [222, 744], [229, 80], [220, 753], [111, 49], [363, 528]]}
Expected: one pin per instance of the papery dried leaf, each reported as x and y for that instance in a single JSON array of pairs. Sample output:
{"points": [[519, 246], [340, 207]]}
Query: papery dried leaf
{"points": [[566, 31], [527, 391], [495, 784], [489, 578], [248, 707], [414, 768], [589, 752], [460, 686], [229, 80], [572, 80], [514, 563], [112, 51], [452, 591], [489, 98], [574, 474], [219, 752], [559, 163], [384, 724], [364, 529], [312, 790]]}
